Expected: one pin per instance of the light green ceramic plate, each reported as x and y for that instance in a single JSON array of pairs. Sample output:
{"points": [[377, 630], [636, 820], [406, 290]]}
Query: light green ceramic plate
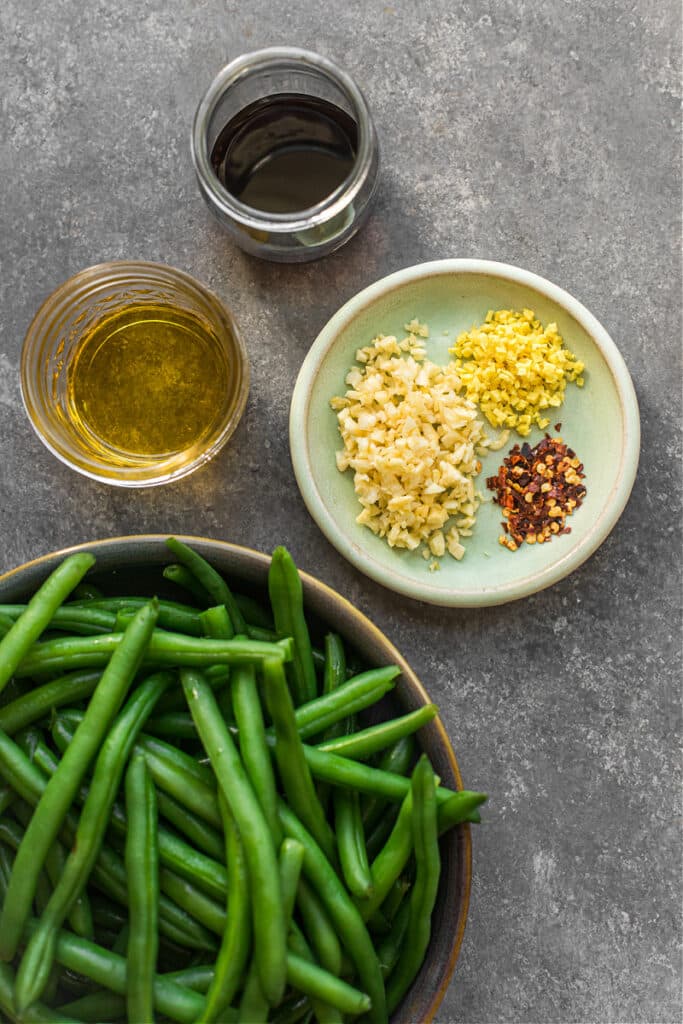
{"points": [[599, 421]]}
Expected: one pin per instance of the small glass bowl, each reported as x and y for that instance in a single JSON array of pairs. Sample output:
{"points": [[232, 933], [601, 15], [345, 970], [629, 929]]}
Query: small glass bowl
{"points": [[320, 229], [54, 336]]}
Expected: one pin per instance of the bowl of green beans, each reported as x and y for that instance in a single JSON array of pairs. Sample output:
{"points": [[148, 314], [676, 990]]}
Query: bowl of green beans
{"points": [[224, 796]]}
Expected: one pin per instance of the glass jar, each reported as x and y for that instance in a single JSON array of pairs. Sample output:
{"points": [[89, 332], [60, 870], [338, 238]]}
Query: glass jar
{"points": [[320, 229], [158, 298]]}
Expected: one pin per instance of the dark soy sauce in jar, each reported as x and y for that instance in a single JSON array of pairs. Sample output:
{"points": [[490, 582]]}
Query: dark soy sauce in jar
{"points": [[285, 153]]}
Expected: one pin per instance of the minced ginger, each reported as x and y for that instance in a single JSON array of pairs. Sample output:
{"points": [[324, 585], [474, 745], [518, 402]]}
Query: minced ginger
{"points": [[513, 368], [413, 443]]}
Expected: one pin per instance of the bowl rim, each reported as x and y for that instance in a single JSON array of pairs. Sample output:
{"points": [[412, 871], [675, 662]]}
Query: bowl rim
{"points": [[355, 553], [315, 586]]}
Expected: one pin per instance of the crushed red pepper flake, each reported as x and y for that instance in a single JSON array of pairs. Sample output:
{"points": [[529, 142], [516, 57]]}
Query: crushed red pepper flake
{"points": [[537, 489]]}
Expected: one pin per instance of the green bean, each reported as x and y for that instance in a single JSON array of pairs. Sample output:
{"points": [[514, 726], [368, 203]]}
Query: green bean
{"points": [[287, 602], [38, 1013], [63, 786], [356, 694], [201, 835], [109, 767], [216, 622], [289, 754], [180, 618], [254, 613], [109, 873], [142, 867], [398, 759], [344, 915], [254, 1006], [109, 970], [389, 948], [182, 577], [252, 744], [199, 977], [423, 894], [290, 862], [259, 849], [334, 675], [351, 842], [97, 1007], [316, 982], [38, 702], [177, 774], [381, 832], [210, 580], [165, 649], [80, 914], [175, 724], [81, 619], [366, 742], [234, 950], [318, 928], [6, 623], [39, 612], [195, 902]]}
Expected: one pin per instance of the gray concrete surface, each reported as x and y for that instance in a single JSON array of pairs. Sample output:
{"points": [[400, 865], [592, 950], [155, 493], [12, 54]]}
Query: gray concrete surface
{"points": [[540, 133]]}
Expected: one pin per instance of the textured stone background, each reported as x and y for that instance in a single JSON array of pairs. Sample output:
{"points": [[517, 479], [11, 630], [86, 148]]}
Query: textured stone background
{"points": [[539, 133]]}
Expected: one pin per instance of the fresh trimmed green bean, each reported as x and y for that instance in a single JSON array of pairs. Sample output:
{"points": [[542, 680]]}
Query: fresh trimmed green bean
{"points": [[109, 873], [425, 886], [182, 577], [289, 754], [216, 622], [334, 675], [201, 835], [180, 618], [353, 856], [6, 623], [80, 913], [37, 1014], [320, 984], [62, 787], [192, 900], [81, 619], [389, 948], [318, 928], [39, 701], [209, 580], [109, 767], [254, 1006], [39, 612], [199, 977], [344, 915], [165, 650], [142, 868], [268, 919], [177, 725], [252, 744], [366, 742], [356, 694], [234, 951], [109, 970], [287, 602], [398, 759], [382, 830], [254, 613]]}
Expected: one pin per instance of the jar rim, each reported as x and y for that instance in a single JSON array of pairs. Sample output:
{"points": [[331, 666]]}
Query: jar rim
{"points": [[331, 205]]}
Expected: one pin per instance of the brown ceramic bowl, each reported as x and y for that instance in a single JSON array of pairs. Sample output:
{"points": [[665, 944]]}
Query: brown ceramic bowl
{"points": [[132, 564]]}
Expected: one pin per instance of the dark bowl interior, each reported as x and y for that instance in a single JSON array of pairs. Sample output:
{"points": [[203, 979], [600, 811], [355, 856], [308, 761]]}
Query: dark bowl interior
{"points": [[128, 565]]}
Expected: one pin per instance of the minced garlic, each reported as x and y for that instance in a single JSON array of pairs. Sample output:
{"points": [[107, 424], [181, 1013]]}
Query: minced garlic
{"points": [[513, 368], [413, 445]]}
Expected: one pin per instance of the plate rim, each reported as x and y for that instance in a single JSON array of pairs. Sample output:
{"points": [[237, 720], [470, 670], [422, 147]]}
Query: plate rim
{"points": [[428, 592]]}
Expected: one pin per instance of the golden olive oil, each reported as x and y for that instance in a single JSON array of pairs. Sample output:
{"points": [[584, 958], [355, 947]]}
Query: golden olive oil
{"points": [[148, 381]]}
